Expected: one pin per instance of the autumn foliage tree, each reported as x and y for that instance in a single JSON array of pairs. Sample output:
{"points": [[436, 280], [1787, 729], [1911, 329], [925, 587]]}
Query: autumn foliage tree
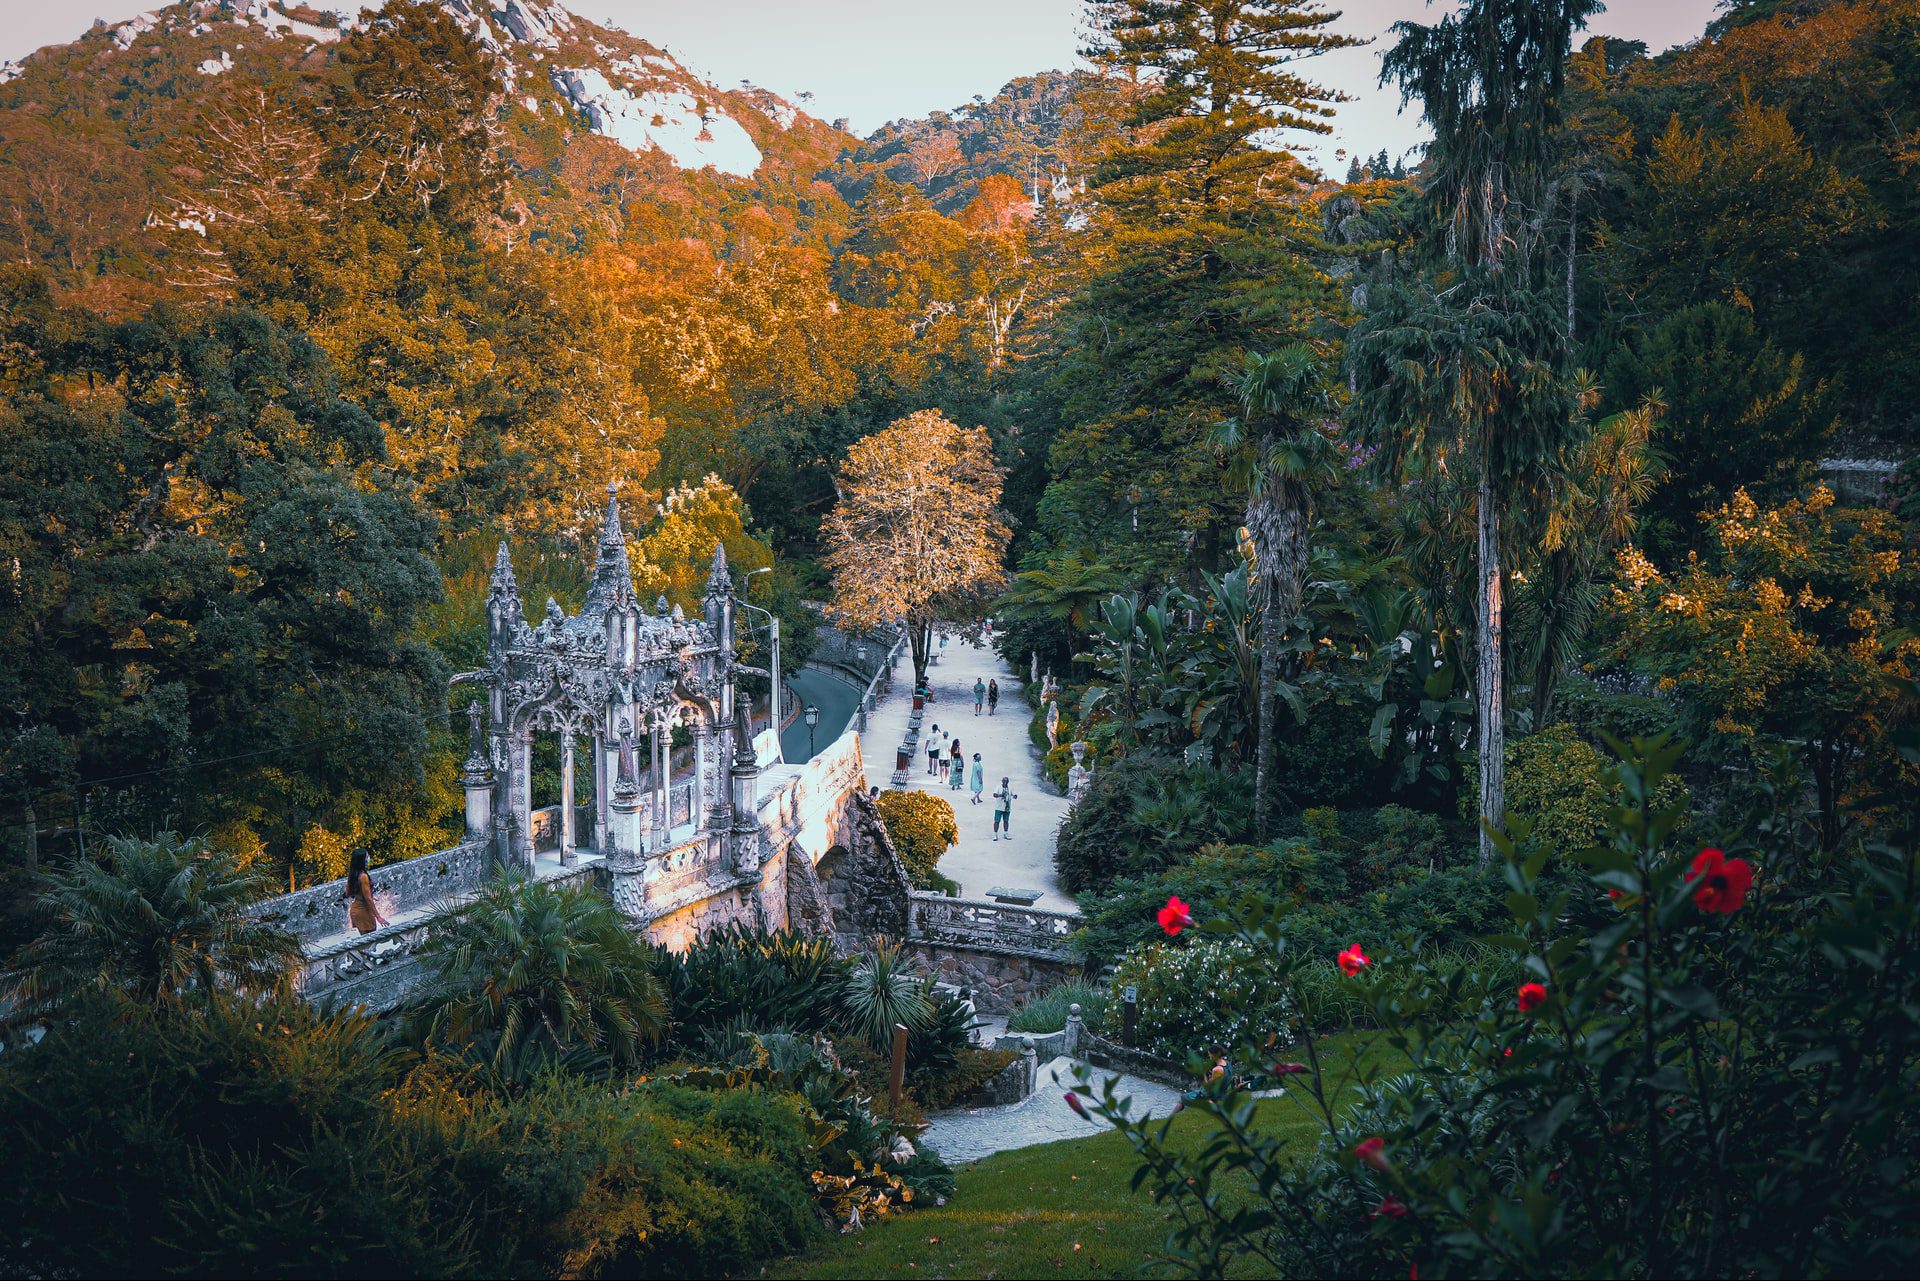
{"points": [[918, 534]]}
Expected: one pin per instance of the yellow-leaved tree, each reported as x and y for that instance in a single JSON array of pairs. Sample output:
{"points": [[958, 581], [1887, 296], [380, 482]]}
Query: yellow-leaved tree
{"points": [[675, 554], [917, 534]]}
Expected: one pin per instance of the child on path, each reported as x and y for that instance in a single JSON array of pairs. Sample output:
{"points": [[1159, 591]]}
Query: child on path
{"points": [[979, 779], [993, 695], [1003, 810], [979, 694], [933, 750]]}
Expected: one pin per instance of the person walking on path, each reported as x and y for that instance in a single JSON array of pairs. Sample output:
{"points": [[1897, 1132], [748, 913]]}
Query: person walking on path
{"points": [[957, 763], [360, 909], [1003, 807], [979, 695], [979, 779], [933, 751], [940, 756], [993, 695]]}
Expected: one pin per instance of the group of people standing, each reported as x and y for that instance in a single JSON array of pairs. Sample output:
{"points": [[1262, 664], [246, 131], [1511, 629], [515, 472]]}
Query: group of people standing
{"points": [[947, 761]]}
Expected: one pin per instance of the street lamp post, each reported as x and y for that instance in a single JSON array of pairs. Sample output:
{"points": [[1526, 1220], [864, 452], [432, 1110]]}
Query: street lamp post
{"points": [[813, 718], [773, 625]]}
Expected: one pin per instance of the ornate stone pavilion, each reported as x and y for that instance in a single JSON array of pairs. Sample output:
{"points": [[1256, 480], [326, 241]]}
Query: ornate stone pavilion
{"points": [[648, 696]]}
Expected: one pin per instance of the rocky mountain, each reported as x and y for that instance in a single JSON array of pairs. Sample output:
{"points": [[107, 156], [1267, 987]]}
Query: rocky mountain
{"points": [[1035, 130], [90, 131]]}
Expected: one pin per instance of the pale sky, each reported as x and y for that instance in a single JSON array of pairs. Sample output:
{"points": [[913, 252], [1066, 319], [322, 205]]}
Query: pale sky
{"points": [[878, 60]]}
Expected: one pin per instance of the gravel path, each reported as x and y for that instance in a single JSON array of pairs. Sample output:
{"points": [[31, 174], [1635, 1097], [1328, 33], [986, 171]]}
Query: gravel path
{"points": [[1043, 1118], [979, 863]]}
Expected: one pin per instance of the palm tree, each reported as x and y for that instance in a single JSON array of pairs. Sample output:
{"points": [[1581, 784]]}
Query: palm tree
{"points": [[1600, 490], [1468, 374], [155, 921], [530, 973], [1276, 453]]}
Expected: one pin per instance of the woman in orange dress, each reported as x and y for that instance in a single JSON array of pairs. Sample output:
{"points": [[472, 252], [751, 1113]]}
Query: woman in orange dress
{"points": [[359, 895]]}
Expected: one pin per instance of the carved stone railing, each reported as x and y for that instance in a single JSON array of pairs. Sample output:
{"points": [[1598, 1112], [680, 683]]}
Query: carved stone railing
{"points": [[995, 927], [822, 784], [380, 969], [416, 882]]}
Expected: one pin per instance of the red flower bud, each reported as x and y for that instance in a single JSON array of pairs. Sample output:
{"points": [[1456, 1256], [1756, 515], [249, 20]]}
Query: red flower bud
{"points": [[1353, 960], [1372, 1152], [1531, 997], [1289, 1069], [1390, 1209], [1079, 1108], [1175, 916]]}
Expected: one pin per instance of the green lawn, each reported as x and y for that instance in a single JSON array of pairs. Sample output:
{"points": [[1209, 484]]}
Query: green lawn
{"points": [[1059, 1209]]}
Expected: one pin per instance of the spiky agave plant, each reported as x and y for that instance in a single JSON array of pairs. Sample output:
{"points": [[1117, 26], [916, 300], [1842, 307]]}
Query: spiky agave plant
{"points": [[532, 973], [157, 920], [885, 987]]}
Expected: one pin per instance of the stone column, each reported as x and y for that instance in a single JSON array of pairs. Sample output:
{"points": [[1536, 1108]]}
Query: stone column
{"points": [[626, 856], [601, 840], [566, 797], [478, 777], [521, 747]]}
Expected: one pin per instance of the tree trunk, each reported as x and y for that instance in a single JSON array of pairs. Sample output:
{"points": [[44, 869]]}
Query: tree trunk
{"points": [[1489, 691], [920, 641], [1277, 523], [1573, 224]]}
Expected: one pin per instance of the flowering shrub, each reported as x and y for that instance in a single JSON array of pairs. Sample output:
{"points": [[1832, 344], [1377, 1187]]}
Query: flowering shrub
{"points": [[922, 827], [1212, 989], [1710, 1066]]}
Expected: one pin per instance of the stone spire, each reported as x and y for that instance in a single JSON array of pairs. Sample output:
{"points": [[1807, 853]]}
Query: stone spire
{"points": [[612, 587], [719, 582], [504, 615]]}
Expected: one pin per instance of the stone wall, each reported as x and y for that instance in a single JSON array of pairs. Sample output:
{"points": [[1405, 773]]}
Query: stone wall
{"points": [[315, 913], [862, 880], [999, 981]]}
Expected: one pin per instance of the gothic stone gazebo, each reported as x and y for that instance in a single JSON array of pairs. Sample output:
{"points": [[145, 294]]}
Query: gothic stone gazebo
{"points": [[624, 680]]}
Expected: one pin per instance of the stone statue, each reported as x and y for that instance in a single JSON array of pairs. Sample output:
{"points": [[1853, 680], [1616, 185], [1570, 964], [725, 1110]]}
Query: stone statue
{"points": [[1033, 668], [476, 740], [629, 776], [1053, 725], [1079, 778], [1049, 688]]}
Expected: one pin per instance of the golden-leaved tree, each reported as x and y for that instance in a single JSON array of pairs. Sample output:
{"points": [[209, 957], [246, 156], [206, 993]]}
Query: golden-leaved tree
{"points": [[676, 551], [917, 534]]}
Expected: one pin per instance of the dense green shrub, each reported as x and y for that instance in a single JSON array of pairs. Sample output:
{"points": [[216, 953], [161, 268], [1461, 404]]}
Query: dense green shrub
{"points": [[922, 828], [1195, 991], [1048, 1011], [736, 976], [1143, 814], [661, 1180], [1326, 760], [1678, 1063], [531, 973], [1557, 785], [217, 1140]]}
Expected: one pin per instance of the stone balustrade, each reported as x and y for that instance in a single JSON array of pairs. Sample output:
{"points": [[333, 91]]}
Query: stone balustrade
{"points": [[412, 883], [987, 926]]}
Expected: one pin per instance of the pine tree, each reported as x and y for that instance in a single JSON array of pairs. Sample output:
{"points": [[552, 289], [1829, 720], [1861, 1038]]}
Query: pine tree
{"points": [[1353, 171], [1201, 231]]}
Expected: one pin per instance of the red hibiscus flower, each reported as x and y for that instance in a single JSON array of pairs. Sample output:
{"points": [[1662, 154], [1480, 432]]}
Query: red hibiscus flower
{"points": [[1722, 882], [1373, 1152], [1175, 916], [1390, 1209], [1532, 997], [1353, 960], [1079, 1108]]}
